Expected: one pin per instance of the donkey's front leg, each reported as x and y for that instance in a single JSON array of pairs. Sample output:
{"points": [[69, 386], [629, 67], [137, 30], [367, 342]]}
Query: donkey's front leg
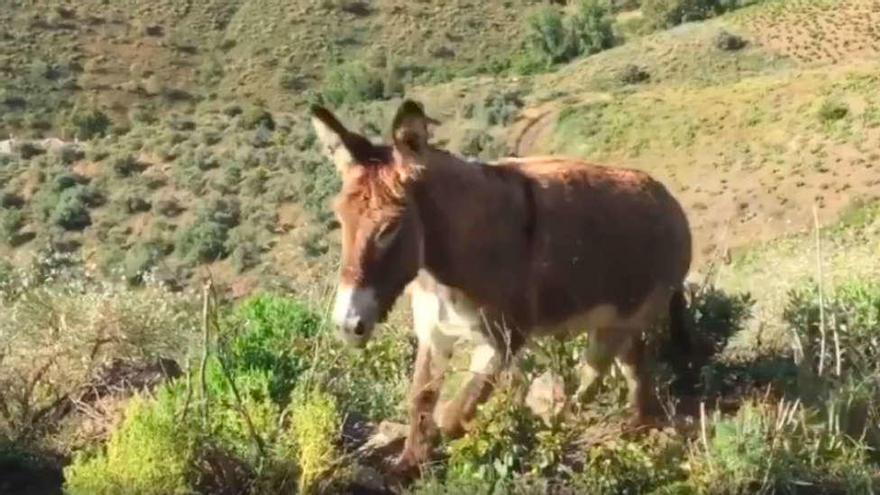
{"points": [[455, 415], [424, 392]]}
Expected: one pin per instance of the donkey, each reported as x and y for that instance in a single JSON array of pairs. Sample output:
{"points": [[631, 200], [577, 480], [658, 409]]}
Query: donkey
{"points": [[498, 254]]}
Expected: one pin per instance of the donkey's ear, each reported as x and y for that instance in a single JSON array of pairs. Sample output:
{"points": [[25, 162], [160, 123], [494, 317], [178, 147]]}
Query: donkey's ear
{"points": [[332, 136], [409, 129]]}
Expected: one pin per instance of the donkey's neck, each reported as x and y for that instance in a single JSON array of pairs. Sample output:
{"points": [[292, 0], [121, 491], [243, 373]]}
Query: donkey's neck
{"points": [[478, 222]]}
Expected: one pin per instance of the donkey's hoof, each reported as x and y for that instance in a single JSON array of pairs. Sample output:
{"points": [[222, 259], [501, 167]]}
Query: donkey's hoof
{"points": [[407, 466], [644, 422]]}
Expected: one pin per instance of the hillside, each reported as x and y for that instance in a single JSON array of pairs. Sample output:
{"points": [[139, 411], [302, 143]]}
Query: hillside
{"points": [[155, 143], [740, 135]]}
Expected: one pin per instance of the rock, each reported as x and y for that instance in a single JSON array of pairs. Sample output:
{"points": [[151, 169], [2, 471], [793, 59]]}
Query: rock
{"points": [[387, 439], [546, 397]]}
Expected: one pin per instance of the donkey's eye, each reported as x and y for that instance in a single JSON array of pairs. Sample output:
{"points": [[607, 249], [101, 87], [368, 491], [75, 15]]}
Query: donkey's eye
{"points": [[386, 235]]}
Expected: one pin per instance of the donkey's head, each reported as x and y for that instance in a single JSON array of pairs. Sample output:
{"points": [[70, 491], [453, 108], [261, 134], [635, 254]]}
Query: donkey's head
{"points": [[381, 230]]}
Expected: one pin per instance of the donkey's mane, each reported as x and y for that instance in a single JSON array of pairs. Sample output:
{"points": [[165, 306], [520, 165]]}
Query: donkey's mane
{"points": [[378, 185]]}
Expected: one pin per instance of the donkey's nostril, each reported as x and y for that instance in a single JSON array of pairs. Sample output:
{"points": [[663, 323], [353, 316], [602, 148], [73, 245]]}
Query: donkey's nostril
{"points": [[359, 329]]}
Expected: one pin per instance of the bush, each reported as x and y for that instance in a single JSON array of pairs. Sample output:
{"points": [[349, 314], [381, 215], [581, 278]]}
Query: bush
{"points": [[70, 153], [90, 124], [350, 83], [151, 452], [169, 207], [125, 165], [71, 212], [228, 428], [769, 448], [204, 241], [633, 74], [558, 39], [547, 36], [729, 42], [851, 316], [255, 117], [315, 427], [140, 259], [627, 466], [832, 110], [668, 13], [55, 335], [592, 27], [498, 446], [11, 221], [275, 335]]}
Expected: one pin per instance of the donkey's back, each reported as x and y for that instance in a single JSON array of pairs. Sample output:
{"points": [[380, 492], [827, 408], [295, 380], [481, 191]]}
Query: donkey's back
{"points": [[609, 242]]}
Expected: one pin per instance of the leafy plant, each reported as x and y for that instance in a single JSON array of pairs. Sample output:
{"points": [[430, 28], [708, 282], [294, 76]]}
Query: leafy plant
{"points": [[559, 39], [315, 423], [840, 328], [274, 335], [151, 452], [352, 82], [71, 211], [832, 110], [90, 124]]}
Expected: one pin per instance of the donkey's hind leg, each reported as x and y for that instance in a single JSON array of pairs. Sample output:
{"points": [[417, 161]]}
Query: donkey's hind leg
{"points": [[604, 345], [634, 367]]}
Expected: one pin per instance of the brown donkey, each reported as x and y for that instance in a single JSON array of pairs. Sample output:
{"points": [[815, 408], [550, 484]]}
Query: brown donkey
{"points": [[497, 254]]}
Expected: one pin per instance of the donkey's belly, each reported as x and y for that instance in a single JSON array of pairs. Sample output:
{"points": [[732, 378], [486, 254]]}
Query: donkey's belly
{"points": [[608, 316]]}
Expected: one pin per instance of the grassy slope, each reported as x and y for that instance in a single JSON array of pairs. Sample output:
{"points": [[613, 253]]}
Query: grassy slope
{"points": [[737, 135], [269, 50]]}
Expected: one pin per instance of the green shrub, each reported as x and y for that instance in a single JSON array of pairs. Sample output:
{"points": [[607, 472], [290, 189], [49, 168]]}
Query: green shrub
{"points": [[204, 241], [502, 108], [140, 259], [168, 207], [63, 181], [224, 210], [729, 42], [770, 448], [350, 83], [498, 446], [633, 466], [548, 37], [559, 39], [851, 314], [668, 13], [227, 426], [11, 222], [71, 212], [315, 428], [232, 110], [150, 453], [90, 124], [274, 335], [832, 110], [70, 153], [245, 256], [592, 27], [255, 117], [125, 165]]}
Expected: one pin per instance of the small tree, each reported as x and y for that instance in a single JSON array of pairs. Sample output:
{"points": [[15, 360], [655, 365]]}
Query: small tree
{"points": [[592, 27], [70, 212], [558, 39], [90, 124]]}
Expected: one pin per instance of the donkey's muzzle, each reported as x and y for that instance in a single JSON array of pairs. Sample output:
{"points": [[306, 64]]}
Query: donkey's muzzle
{"points": [[354, 331]]}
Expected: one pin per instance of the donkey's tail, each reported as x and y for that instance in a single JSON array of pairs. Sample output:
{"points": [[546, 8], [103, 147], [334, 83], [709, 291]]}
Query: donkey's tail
{"points": [[680, 340], [678, 330]]}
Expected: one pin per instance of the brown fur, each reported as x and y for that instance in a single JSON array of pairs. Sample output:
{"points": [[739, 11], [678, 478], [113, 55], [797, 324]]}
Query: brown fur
{"points": [[537, 244]]}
